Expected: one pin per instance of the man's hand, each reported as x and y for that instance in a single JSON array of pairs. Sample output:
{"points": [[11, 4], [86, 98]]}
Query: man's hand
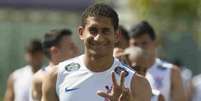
{"points": [[119, 92]]}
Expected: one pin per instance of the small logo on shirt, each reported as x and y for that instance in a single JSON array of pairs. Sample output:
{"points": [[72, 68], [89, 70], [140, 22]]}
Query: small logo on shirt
{"points": [[162, 68], [72, 67], [159, 82], [70, 89], [119, 69]]}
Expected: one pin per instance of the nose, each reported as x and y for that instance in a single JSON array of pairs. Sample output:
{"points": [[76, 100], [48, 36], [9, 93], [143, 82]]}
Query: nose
{"points": [[99, 38]]}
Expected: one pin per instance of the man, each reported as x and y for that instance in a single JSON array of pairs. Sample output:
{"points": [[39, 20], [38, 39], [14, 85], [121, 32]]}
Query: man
{"points": [[137, 59], [167, 77], [122, 43], [196, 82], [82, 78], [186, 75], [57, 46], [19, 81]]}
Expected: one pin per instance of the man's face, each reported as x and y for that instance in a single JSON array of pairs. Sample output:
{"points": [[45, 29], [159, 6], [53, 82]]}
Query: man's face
{"points": [[98, 35], [123, 42], [35, 59], [66, 48], [145, 42]]}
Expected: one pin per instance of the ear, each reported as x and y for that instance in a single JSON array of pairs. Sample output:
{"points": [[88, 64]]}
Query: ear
{"points": [[155, 43], [81, 31], [53, 50], [116, 36]]}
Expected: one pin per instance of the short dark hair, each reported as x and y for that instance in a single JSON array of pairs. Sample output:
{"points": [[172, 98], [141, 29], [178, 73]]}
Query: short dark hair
{"points": [[53, 38], [101, 10], [177, 62], [142, 28], [34, 46], [124, 32]]}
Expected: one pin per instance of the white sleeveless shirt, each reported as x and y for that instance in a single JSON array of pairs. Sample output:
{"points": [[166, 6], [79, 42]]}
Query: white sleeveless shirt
{"points": [[155, 93], [161, 72], [197, 88], [75, 82], [22, 83]]}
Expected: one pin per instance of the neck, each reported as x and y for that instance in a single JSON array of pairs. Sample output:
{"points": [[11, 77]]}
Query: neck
{"points": [[144, 72], [54, 61], [51, 63], [34, 69], [151, 61], [98, 64]]}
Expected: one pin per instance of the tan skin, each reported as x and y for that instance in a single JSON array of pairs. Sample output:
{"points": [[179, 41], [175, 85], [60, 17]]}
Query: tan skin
{"points": [[99, 37], [138, 63], [143, 72], [145, 42], [9, 95], [35, 60], [65, 50]]}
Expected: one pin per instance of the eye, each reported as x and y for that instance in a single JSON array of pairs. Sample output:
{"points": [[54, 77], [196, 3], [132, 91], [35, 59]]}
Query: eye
{"points": [[93, 30], [144, 43], [105, 30]]}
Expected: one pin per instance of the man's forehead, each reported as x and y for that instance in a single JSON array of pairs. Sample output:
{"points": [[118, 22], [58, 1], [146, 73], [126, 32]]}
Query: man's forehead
{"points": [[141, 36], [99, 20]]}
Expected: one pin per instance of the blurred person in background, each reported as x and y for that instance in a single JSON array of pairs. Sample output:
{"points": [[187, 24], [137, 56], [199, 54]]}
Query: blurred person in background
{"points": [[19, 82], [82, 78], [186, 75], [137, 59], [196, 93], [57, 46], [167, 77], [122, 43]]}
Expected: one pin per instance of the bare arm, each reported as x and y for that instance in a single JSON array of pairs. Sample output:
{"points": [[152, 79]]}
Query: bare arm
{"points": [[161, 98], [49, 86], [9, 95], [36, 88], [190, 90], [140, 88], [177, 89]]}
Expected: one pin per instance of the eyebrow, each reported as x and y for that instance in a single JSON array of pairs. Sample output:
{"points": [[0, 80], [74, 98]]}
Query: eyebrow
{"points": [[106, 29]]}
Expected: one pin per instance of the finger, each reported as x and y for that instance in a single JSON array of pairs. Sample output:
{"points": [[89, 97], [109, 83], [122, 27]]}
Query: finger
{"points": [[114, 81], [103, 94], [122, 78], [122, 98], [124, 95]]}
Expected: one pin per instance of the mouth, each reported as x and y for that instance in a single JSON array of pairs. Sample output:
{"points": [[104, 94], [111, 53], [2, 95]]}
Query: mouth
{"points": [[99, 45]]}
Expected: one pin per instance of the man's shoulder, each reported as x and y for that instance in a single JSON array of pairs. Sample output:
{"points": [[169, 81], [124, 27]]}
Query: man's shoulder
{"points": [[123, 67], [38, 76], [163, 65], [197, 80], [22, 70]]}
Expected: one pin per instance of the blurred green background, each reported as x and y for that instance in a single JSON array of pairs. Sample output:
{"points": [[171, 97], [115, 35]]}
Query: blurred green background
{"points": [[177, 23]]}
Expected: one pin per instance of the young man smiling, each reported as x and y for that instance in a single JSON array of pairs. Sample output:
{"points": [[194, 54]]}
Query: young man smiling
{"points": [[84, 78]]}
